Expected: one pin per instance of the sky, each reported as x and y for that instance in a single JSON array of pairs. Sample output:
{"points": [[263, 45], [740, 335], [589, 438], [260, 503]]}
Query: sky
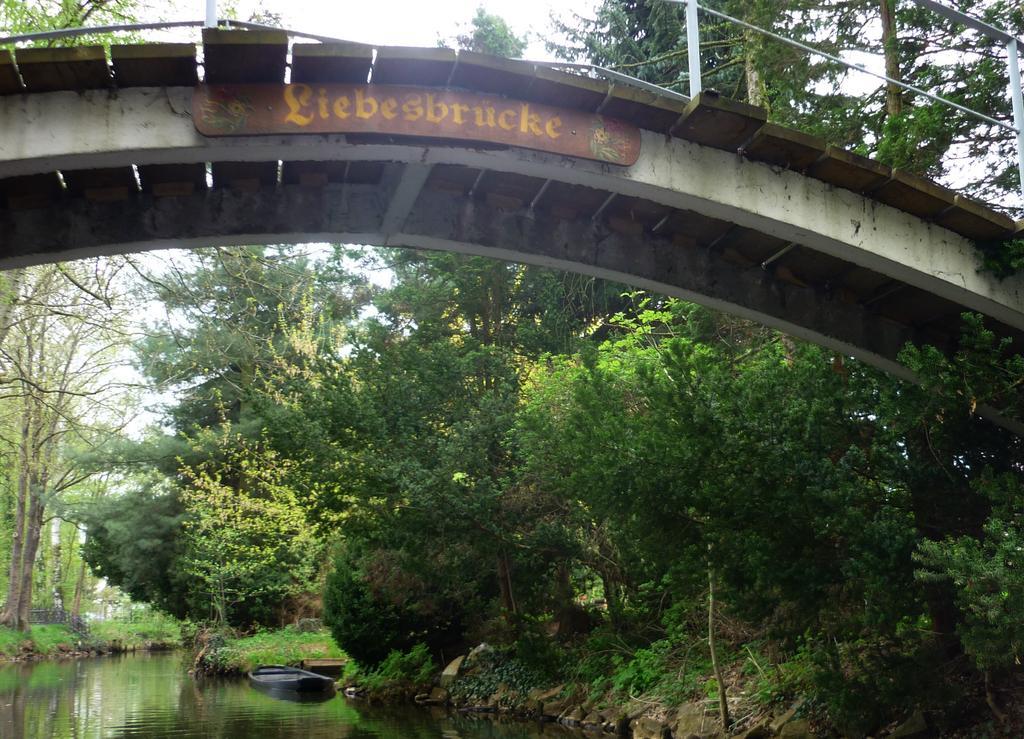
{"points": [[399, 22]]}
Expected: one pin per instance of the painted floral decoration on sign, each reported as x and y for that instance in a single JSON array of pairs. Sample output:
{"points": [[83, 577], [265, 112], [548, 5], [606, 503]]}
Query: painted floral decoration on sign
{"points": [[609, 140], [226, 111]]}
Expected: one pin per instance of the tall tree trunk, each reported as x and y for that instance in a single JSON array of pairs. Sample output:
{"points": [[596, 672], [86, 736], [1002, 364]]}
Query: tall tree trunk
{"points": [[890, 50], [58, 565], [9, 617], [32, 535], [76, 605], [14, 279], [508, 601], [564, 603], [755, 85], [723, 699]]}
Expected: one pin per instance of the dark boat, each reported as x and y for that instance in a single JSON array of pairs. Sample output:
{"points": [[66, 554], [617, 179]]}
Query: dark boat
{"points": [[281, 678]]}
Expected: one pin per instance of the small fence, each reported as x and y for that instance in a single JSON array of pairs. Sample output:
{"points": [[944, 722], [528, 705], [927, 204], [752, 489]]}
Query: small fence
{"points": [[45, 616]]}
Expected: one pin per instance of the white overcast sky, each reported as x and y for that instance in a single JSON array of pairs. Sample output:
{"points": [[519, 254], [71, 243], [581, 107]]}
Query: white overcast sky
{"points": [[396, 22]]}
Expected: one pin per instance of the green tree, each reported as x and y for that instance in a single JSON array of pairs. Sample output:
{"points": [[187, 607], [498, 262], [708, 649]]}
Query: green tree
{"points": [[490, 34], [135, 541], [31, 16], [60, 398], [248, 545], [233, 316], [240, 324]]}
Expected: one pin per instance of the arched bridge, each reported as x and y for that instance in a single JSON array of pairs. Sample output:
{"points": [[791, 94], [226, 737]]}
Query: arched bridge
{"points": [[425, 148]]}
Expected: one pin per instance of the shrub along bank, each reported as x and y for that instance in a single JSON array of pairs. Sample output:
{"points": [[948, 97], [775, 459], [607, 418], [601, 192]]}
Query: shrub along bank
{"points": [[672, 692], [658, 692]]}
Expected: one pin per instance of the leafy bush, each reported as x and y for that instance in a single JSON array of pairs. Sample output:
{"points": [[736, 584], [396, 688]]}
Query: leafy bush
{"points": [[641, 672], [987, 580], [492, 669], [861, 684], [1002, 258], [369, 620], [540, 654], [415, 667], [364, 627]]}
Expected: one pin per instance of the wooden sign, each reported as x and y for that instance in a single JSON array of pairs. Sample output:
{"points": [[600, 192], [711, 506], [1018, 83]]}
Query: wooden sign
{"points": [[246, 110]]}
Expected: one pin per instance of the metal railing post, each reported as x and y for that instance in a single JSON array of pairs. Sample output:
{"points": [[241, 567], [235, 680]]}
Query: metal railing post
{"points": [[693, 46], [1013, 65], [211, 13], [1013, 61]]}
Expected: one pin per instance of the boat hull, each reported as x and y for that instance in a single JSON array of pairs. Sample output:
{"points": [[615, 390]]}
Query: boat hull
{"points": [[289, 679]]}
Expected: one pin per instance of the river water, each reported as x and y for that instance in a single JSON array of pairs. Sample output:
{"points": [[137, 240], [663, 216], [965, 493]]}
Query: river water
{"points": [[150, 695]]}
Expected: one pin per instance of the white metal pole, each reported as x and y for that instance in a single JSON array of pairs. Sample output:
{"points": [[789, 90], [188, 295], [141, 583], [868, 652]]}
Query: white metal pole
{"points": [[1013, 54], [693, 47], [211, 13]]}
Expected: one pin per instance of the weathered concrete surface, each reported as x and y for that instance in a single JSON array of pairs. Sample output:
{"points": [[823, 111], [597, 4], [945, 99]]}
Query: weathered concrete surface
{"points": [[447, 221], [45, 132]]}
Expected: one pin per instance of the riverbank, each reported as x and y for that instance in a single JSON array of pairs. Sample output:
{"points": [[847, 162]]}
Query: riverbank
{"points": [[497, 682], [40, 642], [227, 653], [490, 681], [54, 641], [151, 633]]}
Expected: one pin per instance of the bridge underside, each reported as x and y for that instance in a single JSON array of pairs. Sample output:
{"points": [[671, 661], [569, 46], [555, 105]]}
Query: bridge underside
{"points": [[720, 208], [690, 256]]}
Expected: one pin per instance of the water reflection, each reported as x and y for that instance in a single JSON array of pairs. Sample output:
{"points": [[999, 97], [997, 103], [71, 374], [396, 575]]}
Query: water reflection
{"points": [[295, 696], [152, 696]]}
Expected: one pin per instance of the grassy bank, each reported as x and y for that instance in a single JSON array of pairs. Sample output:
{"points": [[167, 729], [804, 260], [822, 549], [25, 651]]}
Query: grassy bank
{"points": [[46, 641], [154, 630], [226, 653]]}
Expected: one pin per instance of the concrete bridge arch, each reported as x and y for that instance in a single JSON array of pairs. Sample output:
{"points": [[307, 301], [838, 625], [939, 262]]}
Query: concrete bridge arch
{"points": [[103, 156]]}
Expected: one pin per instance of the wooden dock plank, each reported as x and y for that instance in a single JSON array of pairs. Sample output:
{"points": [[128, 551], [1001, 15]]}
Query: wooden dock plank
{"points": [[913, 194], [785, 147], [554, 87], [496, 75], [329, 666], [848, 170], [975, 221], [643, 108]]}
